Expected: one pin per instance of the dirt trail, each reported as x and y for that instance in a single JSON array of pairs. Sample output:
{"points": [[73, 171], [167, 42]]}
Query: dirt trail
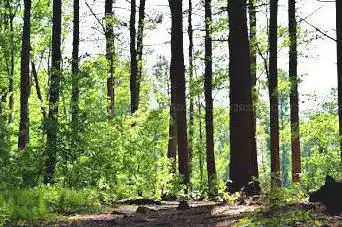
{"points": [[200, 214]]}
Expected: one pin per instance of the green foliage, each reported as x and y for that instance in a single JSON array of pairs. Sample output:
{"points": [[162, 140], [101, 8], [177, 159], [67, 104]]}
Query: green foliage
{"points": [[43, 203], [280, 218]]}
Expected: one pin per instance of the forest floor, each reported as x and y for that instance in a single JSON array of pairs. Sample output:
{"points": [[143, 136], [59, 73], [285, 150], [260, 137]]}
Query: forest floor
{"points": [[205, 214]]}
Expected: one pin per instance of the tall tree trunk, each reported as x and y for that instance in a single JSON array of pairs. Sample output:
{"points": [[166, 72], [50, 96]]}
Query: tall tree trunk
{"points": [[110, 57], [191, 75], [178, 76], [140, 46], [12, 61], [339, 65], [208, 83], [134, 64], [253, 58], [273, 93], [200, 140], [56, 73], [23, 137], [295, 142], [241, 118], [75, 68]]}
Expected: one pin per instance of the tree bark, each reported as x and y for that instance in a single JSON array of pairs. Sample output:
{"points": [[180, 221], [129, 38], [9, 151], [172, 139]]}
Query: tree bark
{"points": [[109, 33], [178, 76], [241, 116], [209, 118], [253, 59], [273, 93], [339, 65], [23, 138], [11, 69], [191, 98], [295, 142], [75, 68], [140, 46], [134, 64], [52, 126]]}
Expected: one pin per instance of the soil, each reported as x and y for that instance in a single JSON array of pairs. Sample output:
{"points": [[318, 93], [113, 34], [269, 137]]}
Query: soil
{"points": [[200, 214]]}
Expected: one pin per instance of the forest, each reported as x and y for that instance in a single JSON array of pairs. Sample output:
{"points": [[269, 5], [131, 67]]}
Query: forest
{"points": [[170, 113]]}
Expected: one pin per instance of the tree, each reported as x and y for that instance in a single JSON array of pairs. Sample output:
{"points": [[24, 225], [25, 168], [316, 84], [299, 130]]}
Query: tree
{"points": [[177, 74], [253, 63], [295, 142], [109, 33], [134, 64], [191, 75], [75, 68], [140, 46], [241, 116], [273, 92], [208, 84], [52, 126], [23, 136], [339, 65]]}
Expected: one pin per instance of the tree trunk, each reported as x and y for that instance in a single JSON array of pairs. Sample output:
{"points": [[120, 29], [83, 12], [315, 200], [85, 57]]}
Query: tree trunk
{"points": [[134, 64], [295, 142], [39, 94], [23, 137], [75, 68], [200, 141], [110, 57], [339, 65], [273, 93], [140, 46], [253, 59], [241, 116], [209, 118], [191, 75], [52, 127], [11, 72], [178, 75]]}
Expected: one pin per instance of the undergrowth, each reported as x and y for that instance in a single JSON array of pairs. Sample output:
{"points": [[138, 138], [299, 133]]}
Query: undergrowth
{"points": [[43, 203]]}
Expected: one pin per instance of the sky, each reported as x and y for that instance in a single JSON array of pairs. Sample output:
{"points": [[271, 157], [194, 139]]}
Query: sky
{"points": [[318, 69]]}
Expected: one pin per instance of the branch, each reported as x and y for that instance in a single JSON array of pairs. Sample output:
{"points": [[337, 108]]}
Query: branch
{"points": [[95, 15], [318, 30]]}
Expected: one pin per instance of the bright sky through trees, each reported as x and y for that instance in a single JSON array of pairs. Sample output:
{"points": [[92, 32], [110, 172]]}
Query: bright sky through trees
{"points": [[317, 63]]}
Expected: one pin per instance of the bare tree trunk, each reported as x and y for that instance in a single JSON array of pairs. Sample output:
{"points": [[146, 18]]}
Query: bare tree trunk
{"points": [[209, 118], [253, 59], [241, 116], [191, 75], [178, 75], [11, 75], [110, 57], [273, 93], [75, 68], [140, 46], [200, 140], [295, 142], [56, 73], [134, 64], [339, 65], [23, 137]]}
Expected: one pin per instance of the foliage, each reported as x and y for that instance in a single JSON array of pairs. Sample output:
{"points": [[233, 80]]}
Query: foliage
{"points": [[42, 203]]}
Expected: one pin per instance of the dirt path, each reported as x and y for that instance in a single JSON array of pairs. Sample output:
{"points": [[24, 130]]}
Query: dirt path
{"points": [[205, 214], [200, 214]]}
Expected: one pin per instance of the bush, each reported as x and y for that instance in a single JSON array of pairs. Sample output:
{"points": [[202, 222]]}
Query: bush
{"points": [[45, 202]]}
